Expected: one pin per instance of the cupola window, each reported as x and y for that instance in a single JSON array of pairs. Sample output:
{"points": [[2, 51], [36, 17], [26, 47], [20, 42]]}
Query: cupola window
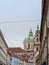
{"points": [[28, 46]]}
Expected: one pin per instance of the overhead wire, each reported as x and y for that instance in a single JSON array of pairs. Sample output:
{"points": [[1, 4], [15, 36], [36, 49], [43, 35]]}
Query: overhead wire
{"points": [[8, 40], [18, 21], [15, 22]]}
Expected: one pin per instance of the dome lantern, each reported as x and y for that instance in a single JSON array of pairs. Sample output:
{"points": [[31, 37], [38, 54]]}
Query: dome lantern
{"points": [[30, 36], [30, 33]]}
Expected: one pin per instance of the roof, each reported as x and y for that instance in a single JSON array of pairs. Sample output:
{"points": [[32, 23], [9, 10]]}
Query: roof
{"points": [[29, 38], [17, 50], [23, 57]]}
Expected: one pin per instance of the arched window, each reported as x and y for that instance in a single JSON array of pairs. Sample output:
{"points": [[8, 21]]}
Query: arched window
{"points": [[37, 39], [37, 34], [37, 48], [28, 46]]}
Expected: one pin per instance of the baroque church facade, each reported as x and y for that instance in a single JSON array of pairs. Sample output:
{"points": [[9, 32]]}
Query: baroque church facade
{"points": [[31, 42]]}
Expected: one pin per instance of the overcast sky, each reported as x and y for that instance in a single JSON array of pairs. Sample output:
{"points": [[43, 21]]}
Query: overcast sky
{"points": [[27, 12]]}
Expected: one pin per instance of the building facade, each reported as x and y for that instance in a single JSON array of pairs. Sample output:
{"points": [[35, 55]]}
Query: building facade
{"points": [[8, 59], [32, 44], [29, 41], [44, 34], [3, 51], [37, 40]]}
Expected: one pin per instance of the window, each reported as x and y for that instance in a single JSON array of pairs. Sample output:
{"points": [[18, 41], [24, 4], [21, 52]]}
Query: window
{"points": [[37, 48], [37, 34], [28, 46], [37, 39]]}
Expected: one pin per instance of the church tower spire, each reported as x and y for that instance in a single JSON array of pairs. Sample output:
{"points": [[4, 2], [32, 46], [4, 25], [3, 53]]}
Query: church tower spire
{"points": [[30, 33], [37, 30], [37, 27]]}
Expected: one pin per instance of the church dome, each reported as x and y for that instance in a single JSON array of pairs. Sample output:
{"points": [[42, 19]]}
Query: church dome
{"points": [[30, 36]]}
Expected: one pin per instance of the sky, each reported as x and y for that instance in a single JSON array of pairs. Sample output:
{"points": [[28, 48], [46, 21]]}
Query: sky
{"points": [[16, 19]]}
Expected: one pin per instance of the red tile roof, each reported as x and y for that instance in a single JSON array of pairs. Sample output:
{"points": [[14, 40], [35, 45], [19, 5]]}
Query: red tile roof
{"points": [[17, 50], [23, 57]]}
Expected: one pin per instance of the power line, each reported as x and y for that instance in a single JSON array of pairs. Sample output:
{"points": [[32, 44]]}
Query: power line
{"points": [[18, 21], [8, 40]]}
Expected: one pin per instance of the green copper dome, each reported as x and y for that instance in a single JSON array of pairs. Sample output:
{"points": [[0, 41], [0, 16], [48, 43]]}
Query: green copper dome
{"points": [[30, 36]]}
